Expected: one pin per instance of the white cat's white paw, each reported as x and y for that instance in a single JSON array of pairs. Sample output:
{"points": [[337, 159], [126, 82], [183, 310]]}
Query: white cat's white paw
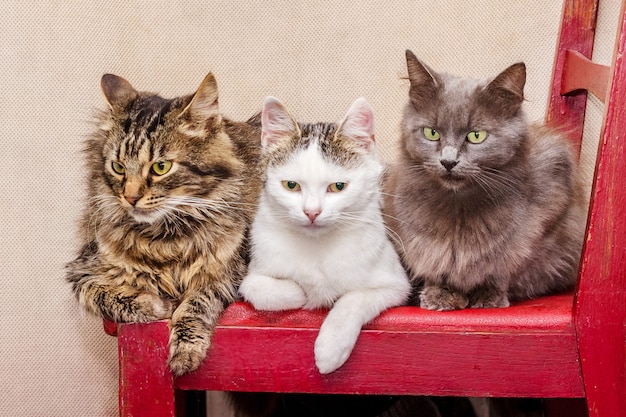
{"points": [[268, 293], [332, 350]]}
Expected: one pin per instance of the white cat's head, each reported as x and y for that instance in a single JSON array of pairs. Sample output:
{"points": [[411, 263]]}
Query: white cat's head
{"points": [[320, 177]]}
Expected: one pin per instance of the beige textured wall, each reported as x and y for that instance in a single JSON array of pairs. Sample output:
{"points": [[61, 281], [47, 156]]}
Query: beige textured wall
{"points": [[317, 56]]}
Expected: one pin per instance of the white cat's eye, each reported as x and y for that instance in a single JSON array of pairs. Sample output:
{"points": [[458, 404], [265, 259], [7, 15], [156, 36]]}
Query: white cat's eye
{"points": [[291, 185], [431, 134], [477, 136], [161, 167], [118, 168], [336, 187]]}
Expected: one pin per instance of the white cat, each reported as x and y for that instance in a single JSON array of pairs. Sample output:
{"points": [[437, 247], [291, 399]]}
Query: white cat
{"points": [[318, 238]]}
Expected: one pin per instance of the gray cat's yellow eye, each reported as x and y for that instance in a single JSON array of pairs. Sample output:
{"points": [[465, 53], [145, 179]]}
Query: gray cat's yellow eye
{"points": [[118, 168], [477, 136], [336, 187], [161, 167], [431, 134], [291, 185]]}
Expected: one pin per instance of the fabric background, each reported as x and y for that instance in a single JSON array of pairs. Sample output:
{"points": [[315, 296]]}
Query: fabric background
{"points": [[317, 56]]}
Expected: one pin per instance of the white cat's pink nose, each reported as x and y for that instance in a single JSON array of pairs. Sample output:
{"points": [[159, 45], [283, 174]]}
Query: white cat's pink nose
{"points": [[312, 214]]}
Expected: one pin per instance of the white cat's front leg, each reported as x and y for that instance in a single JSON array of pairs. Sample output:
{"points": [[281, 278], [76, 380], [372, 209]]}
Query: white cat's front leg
{"points": [[342, 326], [269, 293]]}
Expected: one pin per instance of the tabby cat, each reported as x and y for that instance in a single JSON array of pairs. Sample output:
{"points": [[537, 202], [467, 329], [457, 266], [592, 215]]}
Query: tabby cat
{"points": [[488, 209], [318, 239], [172, 191]]}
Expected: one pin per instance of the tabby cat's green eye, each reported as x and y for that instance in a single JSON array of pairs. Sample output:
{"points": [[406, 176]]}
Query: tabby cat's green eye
{"points": [[118, 168], [336, 187], [161, 167], [291, 185], [431, 134], [477, 136]]}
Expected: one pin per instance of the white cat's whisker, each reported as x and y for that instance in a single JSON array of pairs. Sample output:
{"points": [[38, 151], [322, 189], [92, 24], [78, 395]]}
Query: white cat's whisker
{"points": [[389, 216], [390, 195]]}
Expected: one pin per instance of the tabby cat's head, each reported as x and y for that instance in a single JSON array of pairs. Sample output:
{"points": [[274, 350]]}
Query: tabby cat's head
{"points": [[158, 160], [463, 131], [319, 175]]}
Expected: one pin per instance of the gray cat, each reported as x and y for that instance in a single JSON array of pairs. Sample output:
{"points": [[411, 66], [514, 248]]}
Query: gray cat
{"points": [[486, 208]]}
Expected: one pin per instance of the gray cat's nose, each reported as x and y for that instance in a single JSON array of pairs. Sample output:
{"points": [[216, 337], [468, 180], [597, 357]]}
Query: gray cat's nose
{"points": [[448, 164], [449, 157]]}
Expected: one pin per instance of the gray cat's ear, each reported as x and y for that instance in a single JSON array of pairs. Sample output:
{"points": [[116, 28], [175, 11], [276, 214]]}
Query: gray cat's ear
{"points": [[358, 124], [423, 79], [204, 103], [117, 91], [506, 92], [276, 123]]}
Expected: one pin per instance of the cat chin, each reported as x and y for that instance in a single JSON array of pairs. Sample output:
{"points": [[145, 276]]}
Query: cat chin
{"points": [[313, 229], [453, 183], [144, 216]]}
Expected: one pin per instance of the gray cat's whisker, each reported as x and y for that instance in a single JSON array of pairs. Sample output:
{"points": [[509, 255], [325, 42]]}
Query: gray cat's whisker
{"points": [[478, 206]]}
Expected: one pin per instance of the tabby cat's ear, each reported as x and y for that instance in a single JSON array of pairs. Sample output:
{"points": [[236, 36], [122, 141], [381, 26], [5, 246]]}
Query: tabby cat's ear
{"points": [[423, 80], [276, 123], [505, 93], [358, 124], [204, 103], [117, 91]]}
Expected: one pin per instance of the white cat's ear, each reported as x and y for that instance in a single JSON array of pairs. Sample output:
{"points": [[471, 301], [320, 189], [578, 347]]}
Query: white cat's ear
{"points": [[277, 124], [204, 103], [117, 91], [358, 124]]}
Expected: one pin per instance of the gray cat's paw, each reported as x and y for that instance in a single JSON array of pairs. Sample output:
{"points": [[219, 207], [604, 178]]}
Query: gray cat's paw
{"points": [[188, 345], [484, 297], [442, 299]]}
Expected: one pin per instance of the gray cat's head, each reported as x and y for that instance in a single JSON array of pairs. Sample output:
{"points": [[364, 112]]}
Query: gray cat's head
{"points": [[459, 130]]}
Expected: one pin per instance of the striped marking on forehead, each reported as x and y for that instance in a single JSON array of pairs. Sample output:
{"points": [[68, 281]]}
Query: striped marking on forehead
{"points": [[321, 134], [145, 116], [331, 146], [316, 132]]}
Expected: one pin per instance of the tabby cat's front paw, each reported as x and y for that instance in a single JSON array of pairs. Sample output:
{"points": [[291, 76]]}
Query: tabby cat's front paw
{"points": [[188, 346], [156, 308], [442, 299]]}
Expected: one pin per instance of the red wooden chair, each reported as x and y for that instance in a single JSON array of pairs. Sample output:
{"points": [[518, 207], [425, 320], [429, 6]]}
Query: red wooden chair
{"points": [[568, 346]]}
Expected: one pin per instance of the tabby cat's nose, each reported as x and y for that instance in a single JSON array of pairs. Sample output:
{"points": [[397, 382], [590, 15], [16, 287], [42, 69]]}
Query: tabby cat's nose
{"points": [[448, 164], [132, 199]]}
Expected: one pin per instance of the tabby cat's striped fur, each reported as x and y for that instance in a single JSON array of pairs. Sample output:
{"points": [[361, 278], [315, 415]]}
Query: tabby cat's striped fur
{"points": [[172, 190]]}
